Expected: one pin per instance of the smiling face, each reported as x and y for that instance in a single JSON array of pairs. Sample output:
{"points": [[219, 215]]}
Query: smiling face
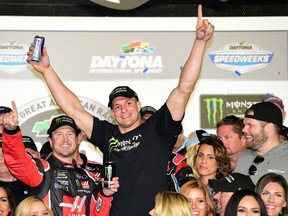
{"points": [[65, 142], [273, 196], [39, 209], [126, 111], [254, 133], [198, 201], [248, 206]]}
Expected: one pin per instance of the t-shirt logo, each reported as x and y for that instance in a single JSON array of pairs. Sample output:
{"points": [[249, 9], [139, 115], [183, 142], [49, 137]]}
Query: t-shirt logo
{"points": [[124, 145]]}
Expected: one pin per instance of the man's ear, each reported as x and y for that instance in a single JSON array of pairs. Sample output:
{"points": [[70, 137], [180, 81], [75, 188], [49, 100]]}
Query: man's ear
{"points": [[50, 141], [269, 127], [80, 138], [138, 106]]}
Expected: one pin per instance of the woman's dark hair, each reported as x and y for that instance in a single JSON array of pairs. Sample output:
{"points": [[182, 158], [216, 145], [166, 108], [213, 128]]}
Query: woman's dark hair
{"points": [[233, 203], [221, 156], [12, 203], [276, 178]]}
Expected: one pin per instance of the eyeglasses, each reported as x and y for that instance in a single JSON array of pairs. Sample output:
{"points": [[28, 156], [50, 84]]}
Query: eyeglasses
{"points": [[253, 169]]}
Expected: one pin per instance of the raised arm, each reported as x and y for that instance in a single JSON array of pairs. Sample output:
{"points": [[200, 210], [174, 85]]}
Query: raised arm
{"points": [[20, 164], [65, 99], [179, 97]]}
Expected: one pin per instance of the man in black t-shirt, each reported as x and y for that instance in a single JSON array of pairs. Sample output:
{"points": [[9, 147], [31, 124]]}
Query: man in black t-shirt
{"points": [[140, 150]]}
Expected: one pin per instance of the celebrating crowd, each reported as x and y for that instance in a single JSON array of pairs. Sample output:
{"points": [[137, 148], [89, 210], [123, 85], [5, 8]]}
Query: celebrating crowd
{"points": [[240, 170]]}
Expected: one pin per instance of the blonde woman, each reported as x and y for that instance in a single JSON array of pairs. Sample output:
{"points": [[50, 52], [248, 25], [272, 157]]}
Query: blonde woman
{"points": [[33, 205], [197, 193], [170, 203], [190, 147]]}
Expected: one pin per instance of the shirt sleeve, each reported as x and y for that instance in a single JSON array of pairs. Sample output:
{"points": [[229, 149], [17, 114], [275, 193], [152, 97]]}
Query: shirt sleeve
{"points": [[20, 164]]}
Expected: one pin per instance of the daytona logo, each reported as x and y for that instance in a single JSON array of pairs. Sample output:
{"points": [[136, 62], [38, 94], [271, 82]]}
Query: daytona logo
{"points": [[241, 57], [13, 57]]}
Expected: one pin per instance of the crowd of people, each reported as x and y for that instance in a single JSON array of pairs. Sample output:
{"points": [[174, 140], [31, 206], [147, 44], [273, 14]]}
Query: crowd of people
{"points": [[240, 170]]}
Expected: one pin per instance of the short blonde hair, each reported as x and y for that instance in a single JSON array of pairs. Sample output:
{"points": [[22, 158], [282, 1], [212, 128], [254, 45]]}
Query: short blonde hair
{"points": [[170, 203], [25, 205]]}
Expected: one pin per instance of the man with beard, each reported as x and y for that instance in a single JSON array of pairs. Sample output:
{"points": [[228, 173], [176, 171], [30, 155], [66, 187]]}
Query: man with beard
{"points": [[266, 153]]}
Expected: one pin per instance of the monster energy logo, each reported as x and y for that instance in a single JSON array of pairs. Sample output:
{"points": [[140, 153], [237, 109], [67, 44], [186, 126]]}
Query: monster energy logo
{"points": [[214, 107], [113, 143], [58, 121], [63, 119], [108, 172]]}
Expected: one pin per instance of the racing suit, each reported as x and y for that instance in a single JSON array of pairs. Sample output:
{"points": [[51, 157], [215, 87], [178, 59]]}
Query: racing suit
{"points": [[92, 166], [178, 172], [67, 189]]}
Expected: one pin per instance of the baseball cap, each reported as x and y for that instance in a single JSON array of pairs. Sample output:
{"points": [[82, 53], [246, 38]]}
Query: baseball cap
{"points": [[147, 110], [274, 99], [4, 110], [267, 112], [29, 143], [195, 137], [232, 183], [60, 121], [123, 91]]}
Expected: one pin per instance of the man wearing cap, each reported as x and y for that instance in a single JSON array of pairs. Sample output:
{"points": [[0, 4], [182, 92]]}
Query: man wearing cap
{"points": [[224, 188], [140, 150], [229, 131], [146, 112], [66, 188], [266, 153]]}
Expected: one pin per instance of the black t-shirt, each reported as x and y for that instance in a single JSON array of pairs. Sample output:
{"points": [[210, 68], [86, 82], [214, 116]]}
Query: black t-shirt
{"points": [[141, 158]]}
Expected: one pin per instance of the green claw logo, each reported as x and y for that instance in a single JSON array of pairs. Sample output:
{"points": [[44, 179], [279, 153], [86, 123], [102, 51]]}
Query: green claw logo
{"points": [[113, 144], [214, 107]]}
